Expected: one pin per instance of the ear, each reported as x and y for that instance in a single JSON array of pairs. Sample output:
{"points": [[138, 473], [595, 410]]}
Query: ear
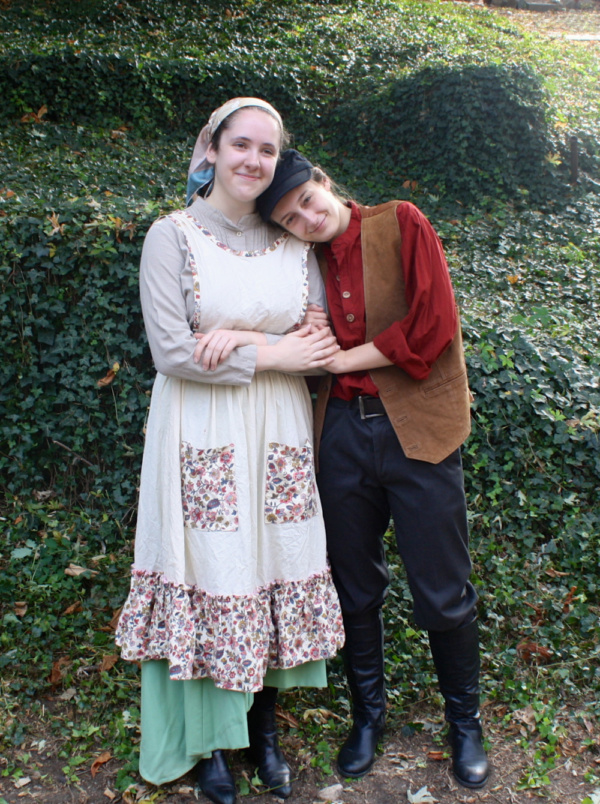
{"points": [[211, 154], [326, 183]]}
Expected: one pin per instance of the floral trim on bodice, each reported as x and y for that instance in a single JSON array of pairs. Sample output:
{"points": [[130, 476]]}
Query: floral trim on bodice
{"points": [[232, 639], [179, 219], [175, 217], [290, 493]]}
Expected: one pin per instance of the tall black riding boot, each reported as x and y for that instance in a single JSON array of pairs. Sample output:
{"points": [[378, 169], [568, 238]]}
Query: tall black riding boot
{"points": [[215, 779], [264, 748], [363, 658], [456, 658]]}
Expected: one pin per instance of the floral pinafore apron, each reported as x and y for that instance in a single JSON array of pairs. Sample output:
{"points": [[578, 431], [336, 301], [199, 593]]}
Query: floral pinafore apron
{"points": [[230, 575]]}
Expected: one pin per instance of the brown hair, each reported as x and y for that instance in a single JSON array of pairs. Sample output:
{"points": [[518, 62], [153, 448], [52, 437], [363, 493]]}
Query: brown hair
{"points": [[340, 192], [215, 140]]}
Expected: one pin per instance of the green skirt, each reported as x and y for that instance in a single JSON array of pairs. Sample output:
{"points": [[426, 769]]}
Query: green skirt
{"points": [[185, 721]]}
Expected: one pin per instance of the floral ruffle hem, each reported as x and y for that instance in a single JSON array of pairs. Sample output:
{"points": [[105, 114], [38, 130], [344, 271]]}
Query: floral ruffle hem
{"points": [[232, 639]]}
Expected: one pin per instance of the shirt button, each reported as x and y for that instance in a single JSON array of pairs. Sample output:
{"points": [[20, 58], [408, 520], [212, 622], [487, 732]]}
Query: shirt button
{"points": [[346, 294], [338, 277], [350, 318], [239, 234]]}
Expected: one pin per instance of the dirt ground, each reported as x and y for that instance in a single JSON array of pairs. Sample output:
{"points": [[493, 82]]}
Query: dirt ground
{"points": [[412, 766]]}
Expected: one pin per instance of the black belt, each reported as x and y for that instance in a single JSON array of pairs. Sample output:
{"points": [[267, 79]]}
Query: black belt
{"points": [[369, 406]]}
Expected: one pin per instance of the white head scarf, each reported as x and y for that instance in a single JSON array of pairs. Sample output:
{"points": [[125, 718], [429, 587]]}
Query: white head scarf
{"points": [[201, 171]]}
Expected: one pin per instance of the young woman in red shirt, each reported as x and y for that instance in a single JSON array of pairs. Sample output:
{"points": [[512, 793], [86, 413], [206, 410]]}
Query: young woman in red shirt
{"points": [[388, 430]]}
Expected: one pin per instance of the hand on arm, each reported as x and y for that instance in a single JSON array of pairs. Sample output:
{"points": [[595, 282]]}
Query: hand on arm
{"points": [[299, 351], [360, 358], [316, 317], [216, 346]]}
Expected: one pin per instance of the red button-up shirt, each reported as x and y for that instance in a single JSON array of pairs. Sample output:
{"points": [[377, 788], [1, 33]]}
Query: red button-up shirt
{"points": [[414, 342]]}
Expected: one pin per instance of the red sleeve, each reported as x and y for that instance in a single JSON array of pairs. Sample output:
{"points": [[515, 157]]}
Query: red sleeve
{"points": [[415, 342]]}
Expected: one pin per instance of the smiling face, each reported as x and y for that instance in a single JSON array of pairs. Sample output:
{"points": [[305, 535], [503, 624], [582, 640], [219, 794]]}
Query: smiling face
{"points": [[312, 212], [244, 160]]}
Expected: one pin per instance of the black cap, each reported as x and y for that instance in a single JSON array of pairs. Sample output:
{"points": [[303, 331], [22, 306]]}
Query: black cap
{"points": [[292, 170]]}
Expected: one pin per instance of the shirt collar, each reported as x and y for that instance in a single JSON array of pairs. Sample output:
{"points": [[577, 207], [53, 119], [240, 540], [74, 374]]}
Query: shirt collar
{"points": [[341, 244], [202, 210]]}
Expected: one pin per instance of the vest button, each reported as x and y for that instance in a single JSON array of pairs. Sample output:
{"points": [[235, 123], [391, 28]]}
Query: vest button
{"points": [[346, 294], [350, 317]]}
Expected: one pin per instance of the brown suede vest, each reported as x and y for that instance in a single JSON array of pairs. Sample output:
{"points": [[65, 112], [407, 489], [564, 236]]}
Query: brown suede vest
{"points": [[431, 417]]}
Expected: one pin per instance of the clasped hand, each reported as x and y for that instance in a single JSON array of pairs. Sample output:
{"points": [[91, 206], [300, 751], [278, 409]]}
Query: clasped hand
{"points": [[307, 348]]}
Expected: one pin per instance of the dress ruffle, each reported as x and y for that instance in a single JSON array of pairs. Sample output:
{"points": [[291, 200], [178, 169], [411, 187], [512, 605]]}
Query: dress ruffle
{"points": [[232, 639]]}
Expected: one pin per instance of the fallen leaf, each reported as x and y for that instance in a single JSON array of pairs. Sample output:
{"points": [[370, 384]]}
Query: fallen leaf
{"points": [[531, 651], [109, 794], [108, 662], [422, 796], [112, 626], [526, 716], [436, 755], [68, 694], [106, 380], [73, 608], [35, 117], [57, 672], [20, 608], [330, 793], [569, 599], [288, 718], [513, 278], [320, 715], [555, 573], [99, 761], [56, 226], [539, 618], [46, 494], [22, 781], [74, 570]]}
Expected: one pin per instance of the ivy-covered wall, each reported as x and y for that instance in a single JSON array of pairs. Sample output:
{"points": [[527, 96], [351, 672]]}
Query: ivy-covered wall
{"points": [[100, 111]]}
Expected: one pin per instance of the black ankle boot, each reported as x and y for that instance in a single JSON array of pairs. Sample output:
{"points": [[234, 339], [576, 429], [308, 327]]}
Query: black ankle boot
{"points": [[215, 779], [456, 658], [363, 658], [264, 748]]}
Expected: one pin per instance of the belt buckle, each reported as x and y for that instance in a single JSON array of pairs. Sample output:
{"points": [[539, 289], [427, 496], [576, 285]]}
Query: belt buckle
{"points": [[361, 407]]}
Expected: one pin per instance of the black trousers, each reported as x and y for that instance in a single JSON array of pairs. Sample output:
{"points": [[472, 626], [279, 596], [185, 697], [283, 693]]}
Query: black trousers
{"points": [[364, 478]]}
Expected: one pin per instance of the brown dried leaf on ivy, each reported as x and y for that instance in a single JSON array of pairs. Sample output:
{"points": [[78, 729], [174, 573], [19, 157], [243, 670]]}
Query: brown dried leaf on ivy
{"points": [[109, 377], [108, 662], [58, 671], [20, 608], [73, 608], [532, 652]]}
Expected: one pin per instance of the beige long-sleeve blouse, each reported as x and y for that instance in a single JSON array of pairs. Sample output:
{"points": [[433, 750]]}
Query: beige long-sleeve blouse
{"points": [[167, 294]]}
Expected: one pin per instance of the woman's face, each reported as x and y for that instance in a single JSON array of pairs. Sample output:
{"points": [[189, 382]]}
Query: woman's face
{"points": [[311, 212], [247, 155]]}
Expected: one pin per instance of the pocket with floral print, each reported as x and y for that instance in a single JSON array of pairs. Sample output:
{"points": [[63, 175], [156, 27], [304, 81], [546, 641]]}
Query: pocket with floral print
{"points": [[208, 490], [290, 494]]}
